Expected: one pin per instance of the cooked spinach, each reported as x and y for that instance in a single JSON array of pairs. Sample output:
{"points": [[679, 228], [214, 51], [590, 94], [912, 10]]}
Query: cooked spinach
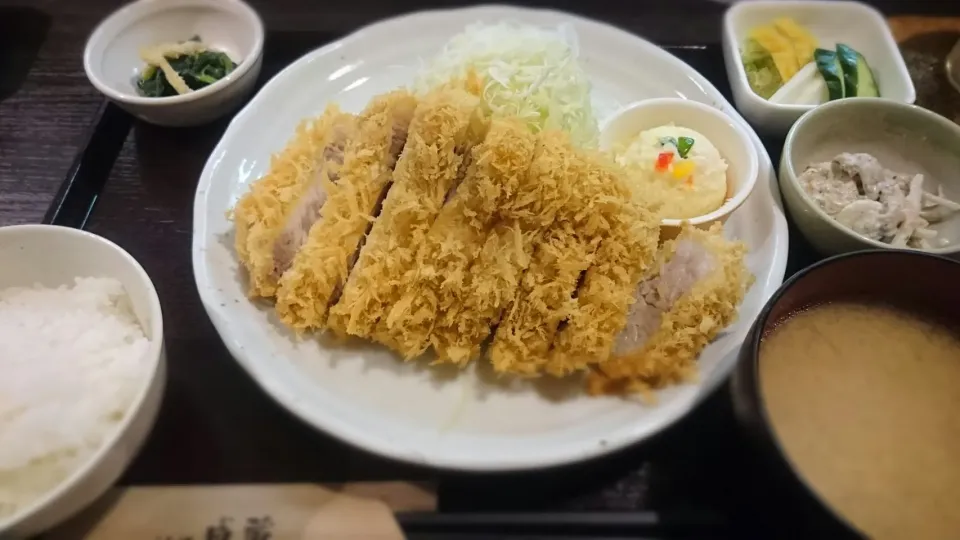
{"points": [[196, 70]]}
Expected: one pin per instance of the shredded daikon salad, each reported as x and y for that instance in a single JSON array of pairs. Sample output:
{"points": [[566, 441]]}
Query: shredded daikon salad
{"points": [[528, 72]]}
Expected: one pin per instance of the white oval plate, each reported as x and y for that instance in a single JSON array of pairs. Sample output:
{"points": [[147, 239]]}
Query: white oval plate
{"points": [[363, 394]]}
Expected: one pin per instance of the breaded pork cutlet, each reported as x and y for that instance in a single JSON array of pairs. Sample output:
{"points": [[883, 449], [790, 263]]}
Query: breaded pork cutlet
{"points": [[561, 252], [321, 266], [446, 126], [490, 284], [689, 295], [494, 277], [435, 285], [264, 212], [630, 234], [307, 211], [545, 298]]}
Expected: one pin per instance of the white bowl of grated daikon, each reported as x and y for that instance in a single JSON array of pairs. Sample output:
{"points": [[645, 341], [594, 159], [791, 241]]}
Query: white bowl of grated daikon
{"points": [[81, 353]]}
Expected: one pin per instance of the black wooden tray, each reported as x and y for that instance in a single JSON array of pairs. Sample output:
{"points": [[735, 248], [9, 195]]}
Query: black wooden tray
{"points": [[134, 183]]}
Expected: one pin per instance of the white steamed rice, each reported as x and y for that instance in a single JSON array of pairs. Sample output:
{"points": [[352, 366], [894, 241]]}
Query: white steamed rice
{"points": [[71, 362]]}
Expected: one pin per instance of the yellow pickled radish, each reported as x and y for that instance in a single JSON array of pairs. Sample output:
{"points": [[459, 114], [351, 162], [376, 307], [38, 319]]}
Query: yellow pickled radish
{"points": [[800, 38], [779, 48]]}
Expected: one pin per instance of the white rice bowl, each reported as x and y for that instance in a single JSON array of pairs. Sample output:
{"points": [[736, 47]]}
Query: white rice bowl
{"points": [[82, 371]]}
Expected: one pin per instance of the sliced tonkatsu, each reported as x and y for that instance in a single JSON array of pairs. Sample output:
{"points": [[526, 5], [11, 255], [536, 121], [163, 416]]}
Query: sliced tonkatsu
{"points": [[493, 279], [489, 285], [545, 299], [323, 263], [263, 215], [307, 210], [630, 232], [446, 126], [561, 252], [688, 295], [436, 286]]}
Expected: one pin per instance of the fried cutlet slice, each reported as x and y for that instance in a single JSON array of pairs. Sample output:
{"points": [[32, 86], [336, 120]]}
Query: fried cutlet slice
{"points": [[263, 212], [544, 300], [490, 284], [562, 252], [436, 284], [630, 232], [565, 250], [689, 295], [445, 127], [321, 266], [307, 211], [494, 277]]}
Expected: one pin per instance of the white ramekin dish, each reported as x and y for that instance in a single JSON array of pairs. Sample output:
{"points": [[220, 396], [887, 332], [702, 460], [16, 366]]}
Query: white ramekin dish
{"points": [[731, 139]]}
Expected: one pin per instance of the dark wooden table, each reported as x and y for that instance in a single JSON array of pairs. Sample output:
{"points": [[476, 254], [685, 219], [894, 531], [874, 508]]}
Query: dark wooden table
{"points": [[216, 426]]}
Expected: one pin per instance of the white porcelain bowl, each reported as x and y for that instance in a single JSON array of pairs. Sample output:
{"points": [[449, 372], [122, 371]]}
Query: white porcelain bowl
{"points": [[852, 23], [731, 139], [112, 56], [53, 256], [904, 138]]}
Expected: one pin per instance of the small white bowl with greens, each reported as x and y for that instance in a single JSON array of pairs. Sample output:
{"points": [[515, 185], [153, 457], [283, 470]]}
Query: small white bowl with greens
{"points": [[177, 62]]}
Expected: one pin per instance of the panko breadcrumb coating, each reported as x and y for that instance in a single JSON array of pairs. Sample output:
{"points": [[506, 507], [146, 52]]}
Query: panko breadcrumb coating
{"points": [[545, 299], [260, 215], [494, 277], [630, 234], [491, 284], [550, 185], [436, 284], [445, 127], [561, 253], [323, 264], [301, 218], [690, 294]]}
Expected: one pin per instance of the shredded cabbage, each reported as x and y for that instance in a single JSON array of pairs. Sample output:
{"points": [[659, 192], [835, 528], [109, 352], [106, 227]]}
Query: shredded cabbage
{"points": [[528, 72]]}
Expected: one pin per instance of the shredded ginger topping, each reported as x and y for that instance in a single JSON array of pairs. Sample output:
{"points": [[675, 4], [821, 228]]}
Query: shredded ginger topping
{"points": [[528, 72], [158, 54]]}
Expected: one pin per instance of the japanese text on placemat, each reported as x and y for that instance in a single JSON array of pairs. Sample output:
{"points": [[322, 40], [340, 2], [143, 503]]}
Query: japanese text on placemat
{"points": [[255, 528]]}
